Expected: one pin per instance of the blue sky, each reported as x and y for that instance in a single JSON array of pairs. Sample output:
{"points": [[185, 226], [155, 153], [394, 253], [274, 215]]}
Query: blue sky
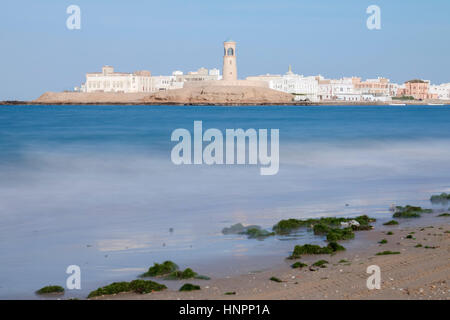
{"points": [[328, 37]]}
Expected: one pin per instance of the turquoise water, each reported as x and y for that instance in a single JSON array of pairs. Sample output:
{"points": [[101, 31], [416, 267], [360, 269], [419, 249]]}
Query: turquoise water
{"points": [[95, 186]]}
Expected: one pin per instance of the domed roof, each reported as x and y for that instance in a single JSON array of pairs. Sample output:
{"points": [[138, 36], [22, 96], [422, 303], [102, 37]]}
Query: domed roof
{"points": [[229, 40]]}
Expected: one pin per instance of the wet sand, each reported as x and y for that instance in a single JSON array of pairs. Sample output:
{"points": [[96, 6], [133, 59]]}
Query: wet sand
{"points": [[415, 273]]}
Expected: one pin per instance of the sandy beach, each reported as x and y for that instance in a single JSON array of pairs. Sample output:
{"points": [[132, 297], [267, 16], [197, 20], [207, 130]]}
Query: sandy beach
{"points": [[416, 273]]}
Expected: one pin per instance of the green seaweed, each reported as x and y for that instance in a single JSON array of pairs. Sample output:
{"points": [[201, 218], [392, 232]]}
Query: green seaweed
{"points": [[170, 271], [321, 228], [50, 289], [333, 234], [390, 223], [137, 286], [409, 212], [237, 228], [162, 269], [258, 233], [364, 220], [189, 287], [361, 227], [387, 252], [230, 293], [320, 263], [188, 273], [334, 246], [298, 265], [444, 215], [320, 225], [440, 198], [390, 233], [145, 286], [275, 279], [418, 245], [286, 226], [252, 231], [315, 249], [383, 241], [336, 234]]}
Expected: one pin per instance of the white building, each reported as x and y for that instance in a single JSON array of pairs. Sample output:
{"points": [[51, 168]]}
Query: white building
{"points": [[341, 89], [303, 88], [353, 89], [201, 74], [161, 83], [215, 72], [142, 81], [344, 90], [110, 81], [442, 91]]}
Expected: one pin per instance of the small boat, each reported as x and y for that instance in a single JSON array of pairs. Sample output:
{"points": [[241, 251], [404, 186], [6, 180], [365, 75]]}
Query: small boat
{"points": [[435, 104], [397, 104]]}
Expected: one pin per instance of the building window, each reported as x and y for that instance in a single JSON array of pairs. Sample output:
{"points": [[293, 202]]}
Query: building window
{"points": [[230, 52]]}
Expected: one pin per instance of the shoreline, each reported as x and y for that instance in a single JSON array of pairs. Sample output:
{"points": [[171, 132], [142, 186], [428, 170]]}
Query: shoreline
{"points": [[322, 103], [416, 273]]}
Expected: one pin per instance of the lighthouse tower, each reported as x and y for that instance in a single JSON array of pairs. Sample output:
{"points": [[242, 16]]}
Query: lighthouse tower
{"points": [[229, 71]]}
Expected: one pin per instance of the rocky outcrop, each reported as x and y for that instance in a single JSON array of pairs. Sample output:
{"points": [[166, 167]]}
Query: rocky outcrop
{"points": [[220, 95], [196, 95], [90, 98]]}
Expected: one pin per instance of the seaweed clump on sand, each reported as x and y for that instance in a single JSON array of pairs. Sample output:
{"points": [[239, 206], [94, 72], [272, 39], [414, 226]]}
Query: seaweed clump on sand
{"points": [[50, 290], [188, 273], [387, 252], [137, 286], [332, 247], [298, 265], [444, 215], [252, 231], [162, 269], [409, 211], [169, 270], [275, 279], [255, 233], [365, 220], [320, 263], [440, 198], [390, 223], [334, 228], [289, 225], [189, 287], [333, 234], [336, 234]]}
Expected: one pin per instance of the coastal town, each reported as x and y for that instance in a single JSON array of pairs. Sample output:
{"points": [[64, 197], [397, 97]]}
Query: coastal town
{"points": [[316, 88]]}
